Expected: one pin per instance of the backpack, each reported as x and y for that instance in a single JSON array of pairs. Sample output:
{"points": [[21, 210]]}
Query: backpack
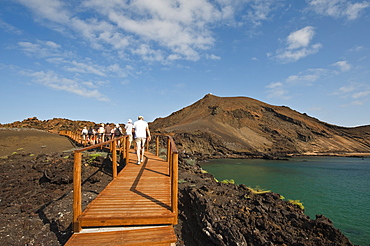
{"points": [[117, 132]]}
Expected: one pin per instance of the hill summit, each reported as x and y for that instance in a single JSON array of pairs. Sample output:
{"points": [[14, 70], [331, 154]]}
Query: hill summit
{"points": [[226, 126]]}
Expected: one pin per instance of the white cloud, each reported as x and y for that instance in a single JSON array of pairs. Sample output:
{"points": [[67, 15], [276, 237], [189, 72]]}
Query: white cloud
{"points": [[79, 67], [171, 30], [343, 66], [260, 11], [338, 8], [298, 45], [181, 28], [306, 77], [213, 57], [274, 85], [10, 28], [56, 82], [40, 49], [147, 53], [361, 94], [300, 38], [345, 89], [276, 90], [52, 10]]}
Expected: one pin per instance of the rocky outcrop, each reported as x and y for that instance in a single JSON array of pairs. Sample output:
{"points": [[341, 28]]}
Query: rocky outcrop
{"points": [[241, 126], [54, 125]]}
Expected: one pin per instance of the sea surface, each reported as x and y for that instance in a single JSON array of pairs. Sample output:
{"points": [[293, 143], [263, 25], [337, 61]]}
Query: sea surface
{"points": [[337, 187]]}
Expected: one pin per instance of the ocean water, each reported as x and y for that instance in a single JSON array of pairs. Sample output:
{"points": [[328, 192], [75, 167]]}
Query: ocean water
{"points": [[337, 187]]}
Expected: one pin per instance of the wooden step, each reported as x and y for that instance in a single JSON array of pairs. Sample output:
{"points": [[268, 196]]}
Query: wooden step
{"points": [[163, 235]]}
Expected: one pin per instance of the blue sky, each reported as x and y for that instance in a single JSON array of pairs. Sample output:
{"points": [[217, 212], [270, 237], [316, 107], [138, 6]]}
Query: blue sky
{"points": [[108, 61]]}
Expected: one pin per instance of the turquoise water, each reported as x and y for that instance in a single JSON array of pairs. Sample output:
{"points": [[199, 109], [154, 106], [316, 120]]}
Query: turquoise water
{"points": [[336, 187]]}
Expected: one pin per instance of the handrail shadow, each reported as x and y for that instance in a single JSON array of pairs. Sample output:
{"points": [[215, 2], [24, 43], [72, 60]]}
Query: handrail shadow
{"points": [[136, 182]]}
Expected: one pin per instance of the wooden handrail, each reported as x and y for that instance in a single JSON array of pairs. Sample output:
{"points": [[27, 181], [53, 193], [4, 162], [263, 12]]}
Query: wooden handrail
{"points": [[172, 159]]}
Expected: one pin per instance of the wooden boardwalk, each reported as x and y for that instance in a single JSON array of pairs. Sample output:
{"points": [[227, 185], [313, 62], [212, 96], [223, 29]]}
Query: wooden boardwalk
{"points": [[134, 209]]}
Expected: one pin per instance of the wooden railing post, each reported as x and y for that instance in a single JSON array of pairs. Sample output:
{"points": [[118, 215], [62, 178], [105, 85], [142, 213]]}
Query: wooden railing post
{"points": [[77, 199], [168, 150], [174, 181], [127, 150], [114, 158], [157, 145]]}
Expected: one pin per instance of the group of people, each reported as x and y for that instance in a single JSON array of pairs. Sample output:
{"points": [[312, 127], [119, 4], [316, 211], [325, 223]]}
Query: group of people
{"points": [[102, 133], [137, 131]]}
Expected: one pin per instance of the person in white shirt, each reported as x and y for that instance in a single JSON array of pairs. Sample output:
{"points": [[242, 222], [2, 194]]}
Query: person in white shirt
{"points": [[101, 132], [142, 132], [128, 128], [84, 133]]}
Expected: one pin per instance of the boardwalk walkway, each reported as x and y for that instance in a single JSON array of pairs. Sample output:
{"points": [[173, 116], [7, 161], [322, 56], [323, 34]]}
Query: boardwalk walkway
{"points": [[134, 209]]}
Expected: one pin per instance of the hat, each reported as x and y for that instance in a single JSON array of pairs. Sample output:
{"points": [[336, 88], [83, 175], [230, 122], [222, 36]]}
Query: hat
{"points": [[129, 121], [140, 117], [117, 125]]}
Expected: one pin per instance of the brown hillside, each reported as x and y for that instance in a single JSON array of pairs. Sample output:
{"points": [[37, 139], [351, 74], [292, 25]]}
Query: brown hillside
{"points": [[241, 125]]}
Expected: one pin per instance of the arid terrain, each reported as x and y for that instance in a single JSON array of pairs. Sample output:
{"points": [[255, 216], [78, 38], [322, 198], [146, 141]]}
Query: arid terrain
{"points": [[36, 201], [36, 187], [36, 171]]}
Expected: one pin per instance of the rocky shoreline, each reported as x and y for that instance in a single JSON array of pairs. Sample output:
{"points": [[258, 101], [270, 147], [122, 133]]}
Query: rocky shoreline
{"points": [[218, 213], [36, 205]]}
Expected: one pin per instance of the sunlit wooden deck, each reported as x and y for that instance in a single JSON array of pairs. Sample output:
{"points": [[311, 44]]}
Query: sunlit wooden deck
{"points": [[138, 207], [140, 195]]}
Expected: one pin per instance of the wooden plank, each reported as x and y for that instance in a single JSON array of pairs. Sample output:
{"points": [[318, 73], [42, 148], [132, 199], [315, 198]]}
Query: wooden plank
{"points": [[111, 221], [151, 236]]}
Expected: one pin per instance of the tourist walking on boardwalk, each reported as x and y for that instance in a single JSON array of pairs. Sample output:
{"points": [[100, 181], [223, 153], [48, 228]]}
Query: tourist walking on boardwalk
{"points": [[142, 132], [117, 132], [128, 128], [108, 130], [84, 133], [90, 134], [101, 132]]}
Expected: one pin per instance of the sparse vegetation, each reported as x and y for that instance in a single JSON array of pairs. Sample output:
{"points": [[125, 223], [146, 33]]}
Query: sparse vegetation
{"points": [[298, 203], [228, 181], [93, 157], [258, 190]]}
